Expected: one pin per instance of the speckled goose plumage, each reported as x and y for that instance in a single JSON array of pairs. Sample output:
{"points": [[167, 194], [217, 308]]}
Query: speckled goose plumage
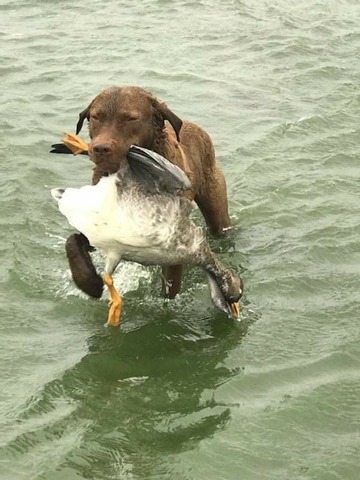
{"points": [[137, 215]]}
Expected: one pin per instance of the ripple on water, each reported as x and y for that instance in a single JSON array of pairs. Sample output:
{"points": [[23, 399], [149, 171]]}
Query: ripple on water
{"points": [[179, 391]]}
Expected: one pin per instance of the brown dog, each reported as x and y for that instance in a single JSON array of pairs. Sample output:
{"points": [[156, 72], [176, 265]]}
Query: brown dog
{"points": [[123, 116]]}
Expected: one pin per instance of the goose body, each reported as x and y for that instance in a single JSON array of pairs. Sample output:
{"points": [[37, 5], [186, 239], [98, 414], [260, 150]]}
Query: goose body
{"points": [[137, 215], [148, 229]]}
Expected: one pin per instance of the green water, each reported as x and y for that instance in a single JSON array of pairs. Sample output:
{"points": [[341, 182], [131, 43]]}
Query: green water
{"points": [[179, 391]]}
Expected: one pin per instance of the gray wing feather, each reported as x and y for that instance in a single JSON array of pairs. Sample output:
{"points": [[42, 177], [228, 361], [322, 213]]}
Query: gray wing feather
{"points": [[155, 173]]}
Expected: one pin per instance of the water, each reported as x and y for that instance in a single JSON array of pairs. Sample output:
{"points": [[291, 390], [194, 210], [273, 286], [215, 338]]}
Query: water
{"points": [[179, 391]]}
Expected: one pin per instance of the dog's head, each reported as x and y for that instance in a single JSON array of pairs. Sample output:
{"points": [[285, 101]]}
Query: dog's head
{"points": [[123, 116]]}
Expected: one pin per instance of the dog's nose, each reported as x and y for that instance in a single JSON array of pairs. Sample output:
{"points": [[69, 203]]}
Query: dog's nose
{"points": [[102, 148]]}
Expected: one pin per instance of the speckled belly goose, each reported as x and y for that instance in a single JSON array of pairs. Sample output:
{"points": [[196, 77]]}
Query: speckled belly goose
{"points": [[137, 215]]}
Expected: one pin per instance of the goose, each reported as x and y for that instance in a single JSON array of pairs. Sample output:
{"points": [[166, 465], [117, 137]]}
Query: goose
{"points": [[137, 215]]}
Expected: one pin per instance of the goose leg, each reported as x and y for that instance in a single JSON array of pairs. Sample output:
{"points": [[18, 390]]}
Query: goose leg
{"points": [[75, 144], [115, 302]]}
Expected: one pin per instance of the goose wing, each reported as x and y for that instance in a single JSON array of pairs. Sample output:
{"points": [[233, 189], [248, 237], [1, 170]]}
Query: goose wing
{"points": [[155, 173]]}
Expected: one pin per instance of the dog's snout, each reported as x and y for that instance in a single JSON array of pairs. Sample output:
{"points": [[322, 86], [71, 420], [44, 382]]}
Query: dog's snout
{"points": [[102, 148]]}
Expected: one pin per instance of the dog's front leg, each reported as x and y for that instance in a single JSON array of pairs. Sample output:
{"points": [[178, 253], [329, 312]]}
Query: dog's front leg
{"points": [[171, 280], [82, 269]]}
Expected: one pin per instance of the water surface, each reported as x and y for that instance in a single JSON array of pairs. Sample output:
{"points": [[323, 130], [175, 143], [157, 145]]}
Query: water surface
{"points": [[179, 391]]}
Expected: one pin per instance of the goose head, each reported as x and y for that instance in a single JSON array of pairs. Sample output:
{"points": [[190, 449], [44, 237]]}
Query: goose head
{"points": [[226, 289]]}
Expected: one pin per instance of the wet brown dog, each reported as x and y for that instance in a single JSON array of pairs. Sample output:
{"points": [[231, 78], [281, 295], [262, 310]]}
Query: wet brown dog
{"points": [[122, 116]]}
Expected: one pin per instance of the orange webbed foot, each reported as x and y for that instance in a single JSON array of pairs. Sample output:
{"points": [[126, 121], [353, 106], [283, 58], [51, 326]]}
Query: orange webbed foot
{"points": [[76, 144], [115, 303]]}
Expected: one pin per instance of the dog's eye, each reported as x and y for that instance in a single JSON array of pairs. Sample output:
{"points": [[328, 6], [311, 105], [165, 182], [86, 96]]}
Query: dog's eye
{"points": [[131, 117]]}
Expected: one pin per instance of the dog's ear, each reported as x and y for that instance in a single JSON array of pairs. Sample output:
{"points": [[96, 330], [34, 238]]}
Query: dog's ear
{"points": [[168, 115], [82, 115]]}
